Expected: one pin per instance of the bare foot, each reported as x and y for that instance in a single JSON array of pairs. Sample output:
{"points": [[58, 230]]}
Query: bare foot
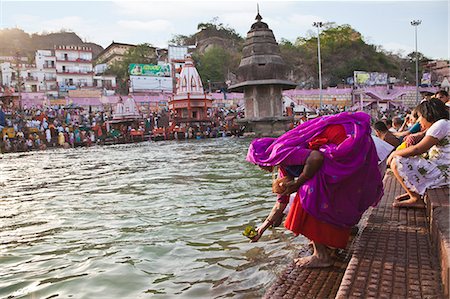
{"points": [[313, 261], [413, 202], [402, 197]]}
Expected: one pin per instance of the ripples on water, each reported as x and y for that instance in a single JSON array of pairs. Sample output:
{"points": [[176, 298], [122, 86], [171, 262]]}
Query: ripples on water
{"points": [[158, 220]]}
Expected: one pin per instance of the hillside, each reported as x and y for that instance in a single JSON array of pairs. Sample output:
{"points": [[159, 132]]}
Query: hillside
{"points": [[343, 50], [15, 40]]}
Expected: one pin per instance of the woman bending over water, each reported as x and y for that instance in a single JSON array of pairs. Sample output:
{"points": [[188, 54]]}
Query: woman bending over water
{"points": [[339, 179]]}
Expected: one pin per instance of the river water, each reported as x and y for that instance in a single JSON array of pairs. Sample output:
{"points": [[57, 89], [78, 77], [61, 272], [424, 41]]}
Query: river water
{"points": [[154, 219]]}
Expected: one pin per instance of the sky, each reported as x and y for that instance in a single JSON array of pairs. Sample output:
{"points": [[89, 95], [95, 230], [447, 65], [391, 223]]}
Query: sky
{"points": [[382, 23]]}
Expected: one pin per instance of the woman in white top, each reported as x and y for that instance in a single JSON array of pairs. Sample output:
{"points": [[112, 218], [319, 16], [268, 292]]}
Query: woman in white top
{"points": [[426, 164]]}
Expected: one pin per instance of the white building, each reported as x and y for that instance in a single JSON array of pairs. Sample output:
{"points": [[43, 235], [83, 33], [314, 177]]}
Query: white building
{"points": [[101, 80], [65, 68], [46, 71], [25, 75], [73, 67]]}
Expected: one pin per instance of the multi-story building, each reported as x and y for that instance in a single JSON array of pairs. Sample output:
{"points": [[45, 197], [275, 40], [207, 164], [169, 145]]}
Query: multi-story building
{"points": [[73, 67], [114, 52], [439, 70], [104, 81], [46, 71], [55, 71], [22, 77]]}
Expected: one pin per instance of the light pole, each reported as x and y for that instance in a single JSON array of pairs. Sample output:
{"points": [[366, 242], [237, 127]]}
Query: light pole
{"points": [[416, 23], [319, 25]]}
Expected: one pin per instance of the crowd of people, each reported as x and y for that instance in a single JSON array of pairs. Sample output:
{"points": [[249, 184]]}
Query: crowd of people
{"points": [[70, 126], [334, 165], [37, 129]]}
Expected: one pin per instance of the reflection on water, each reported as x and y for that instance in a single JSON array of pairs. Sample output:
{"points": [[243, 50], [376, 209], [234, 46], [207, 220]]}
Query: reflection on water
{"points": [[145, 220]]}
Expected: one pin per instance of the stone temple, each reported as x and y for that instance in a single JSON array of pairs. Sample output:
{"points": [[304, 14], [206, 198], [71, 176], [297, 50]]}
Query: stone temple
{"points": [[262, 77]]}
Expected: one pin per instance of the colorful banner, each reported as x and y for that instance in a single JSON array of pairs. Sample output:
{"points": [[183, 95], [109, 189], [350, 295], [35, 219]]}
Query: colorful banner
{"points": [[370, 79], [426, 79], [151, 70]]}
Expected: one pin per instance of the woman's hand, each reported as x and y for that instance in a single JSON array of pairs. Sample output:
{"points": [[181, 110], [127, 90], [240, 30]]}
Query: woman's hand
{"points": [[260, 230]]}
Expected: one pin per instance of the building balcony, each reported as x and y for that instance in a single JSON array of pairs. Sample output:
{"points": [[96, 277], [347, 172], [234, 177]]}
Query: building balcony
{"points": [[49, 66], [31, 79], [78, 60], [74, 73], [50, 79]]}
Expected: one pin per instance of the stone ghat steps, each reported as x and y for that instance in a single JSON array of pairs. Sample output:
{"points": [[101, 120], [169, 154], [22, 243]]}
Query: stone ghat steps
{"points": [[399, 253]]}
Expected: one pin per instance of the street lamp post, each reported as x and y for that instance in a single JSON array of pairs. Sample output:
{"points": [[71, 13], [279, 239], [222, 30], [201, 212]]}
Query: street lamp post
{"points": [[416, 23], [319, 25]]}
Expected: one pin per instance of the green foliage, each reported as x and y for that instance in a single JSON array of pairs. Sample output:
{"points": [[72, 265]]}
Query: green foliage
{"points": [[206, 30], [142, 53], [214, 64], [343, 51], [180, 40], [215, 28]]}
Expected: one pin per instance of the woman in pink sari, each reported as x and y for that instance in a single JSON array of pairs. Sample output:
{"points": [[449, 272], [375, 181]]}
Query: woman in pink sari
{"points": [[339, 179]]}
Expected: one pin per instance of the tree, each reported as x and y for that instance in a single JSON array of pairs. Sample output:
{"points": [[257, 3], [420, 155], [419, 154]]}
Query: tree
{"points": [[142, 53], [214, 64]]}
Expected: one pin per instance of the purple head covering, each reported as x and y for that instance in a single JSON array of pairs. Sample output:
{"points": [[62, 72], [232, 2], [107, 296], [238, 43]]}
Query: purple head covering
{"points": [[348, 181]]}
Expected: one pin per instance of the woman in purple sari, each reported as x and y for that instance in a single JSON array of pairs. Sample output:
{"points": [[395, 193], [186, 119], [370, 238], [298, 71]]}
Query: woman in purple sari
{"points": [[339, 181]]}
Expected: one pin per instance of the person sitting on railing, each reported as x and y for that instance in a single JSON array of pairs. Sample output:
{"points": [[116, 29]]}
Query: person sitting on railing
{"points": [[416, 173]]}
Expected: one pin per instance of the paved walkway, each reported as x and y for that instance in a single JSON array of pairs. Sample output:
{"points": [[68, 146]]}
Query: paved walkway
{"points": [[392, 257]]}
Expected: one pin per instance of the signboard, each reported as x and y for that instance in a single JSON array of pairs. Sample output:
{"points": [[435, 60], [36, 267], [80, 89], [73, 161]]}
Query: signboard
{"points": [[67, 87], [426, 79], [145, 83], [370, 79], [177, 52], [85, 93], [151, 70], [54, 102]]}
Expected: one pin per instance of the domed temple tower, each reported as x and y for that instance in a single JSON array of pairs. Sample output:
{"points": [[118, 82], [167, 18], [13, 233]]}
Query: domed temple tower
{"points": [[262, 77], [190, 103]]}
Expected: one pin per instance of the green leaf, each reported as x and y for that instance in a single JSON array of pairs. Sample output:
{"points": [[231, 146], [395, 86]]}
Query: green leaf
{"points": [[250, 232]]}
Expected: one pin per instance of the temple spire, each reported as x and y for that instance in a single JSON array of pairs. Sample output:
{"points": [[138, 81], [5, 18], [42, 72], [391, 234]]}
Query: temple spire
{"points": [[258, 16]]}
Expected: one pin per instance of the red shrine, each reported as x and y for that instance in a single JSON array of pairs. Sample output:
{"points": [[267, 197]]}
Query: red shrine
{"points": [[190, 104]]}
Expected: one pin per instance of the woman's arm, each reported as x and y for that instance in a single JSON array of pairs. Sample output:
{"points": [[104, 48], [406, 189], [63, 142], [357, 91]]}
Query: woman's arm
{"points": [[405, 122], [423, 146], [312, 165], [414, 129], [274, 216]]}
